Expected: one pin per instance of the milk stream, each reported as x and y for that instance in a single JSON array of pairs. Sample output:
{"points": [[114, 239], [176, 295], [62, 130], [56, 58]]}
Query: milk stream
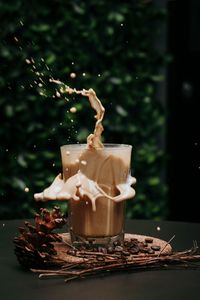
{"points": [[97, 172]]}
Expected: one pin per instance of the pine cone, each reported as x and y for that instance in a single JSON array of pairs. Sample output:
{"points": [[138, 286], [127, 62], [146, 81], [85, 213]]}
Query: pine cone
{"points": [[34, 246]]}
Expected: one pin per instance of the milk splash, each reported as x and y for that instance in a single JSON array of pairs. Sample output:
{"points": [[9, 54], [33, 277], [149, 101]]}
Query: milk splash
{"points": [[103, 173]]}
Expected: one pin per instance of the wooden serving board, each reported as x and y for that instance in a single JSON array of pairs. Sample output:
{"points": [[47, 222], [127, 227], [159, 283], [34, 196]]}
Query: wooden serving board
{"points": [[64, 246]]}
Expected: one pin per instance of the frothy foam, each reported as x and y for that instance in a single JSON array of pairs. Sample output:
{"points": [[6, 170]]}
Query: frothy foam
{"points": [[102, 175]]}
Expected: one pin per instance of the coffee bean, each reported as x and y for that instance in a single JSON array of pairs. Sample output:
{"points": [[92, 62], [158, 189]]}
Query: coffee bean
{"points": [[150, 251], [144, 250], [134, 250], [110, 250], [149, 240], [118, 248], [126, 253], [155, 247], [116, 243], [134, 240]]}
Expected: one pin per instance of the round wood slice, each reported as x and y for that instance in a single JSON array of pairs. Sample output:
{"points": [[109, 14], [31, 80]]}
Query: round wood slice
{"points": [[62, 247]]}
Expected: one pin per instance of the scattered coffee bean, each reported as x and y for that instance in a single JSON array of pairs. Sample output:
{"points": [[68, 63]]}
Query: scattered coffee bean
{"points": [[134, 250], [155, 247], [116, 243], [150, 251], [149, 240], [119, 248], [134, 240], [144, 250], [110, 250], [126, 253]]}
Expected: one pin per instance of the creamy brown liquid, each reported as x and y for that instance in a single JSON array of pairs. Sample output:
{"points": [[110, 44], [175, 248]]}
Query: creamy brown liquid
{"points": [[95, 180]]}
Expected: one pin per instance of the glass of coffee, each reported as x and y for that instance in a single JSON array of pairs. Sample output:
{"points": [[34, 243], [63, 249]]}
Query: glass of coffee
{"points": [[102, 178]]}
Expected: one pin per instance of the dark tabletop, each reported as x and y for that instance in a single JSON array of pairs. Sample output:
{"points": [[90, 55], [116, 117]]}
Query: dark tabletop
{"points": [[163, 284]]}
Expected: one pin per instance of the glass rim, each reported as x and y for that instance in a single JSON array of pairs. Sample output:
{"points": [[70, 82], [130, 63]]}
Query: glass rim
{"points": [[107, 146]]}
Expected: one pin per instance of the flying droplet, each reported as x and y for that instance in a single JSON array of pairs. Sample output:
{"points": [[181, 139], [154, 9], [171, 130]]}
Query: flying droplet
{"points": [[58, 94], [84, 74], [84, 162], [55, 81], [26, 189], [73, 109], [72, 75], [158, 228], [28, 61]]}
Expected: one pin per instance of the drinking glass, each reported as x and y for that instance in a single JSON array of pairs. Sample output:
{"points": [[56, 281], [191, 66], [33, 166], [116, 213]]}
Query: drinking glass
{"points": [[99, 222]]}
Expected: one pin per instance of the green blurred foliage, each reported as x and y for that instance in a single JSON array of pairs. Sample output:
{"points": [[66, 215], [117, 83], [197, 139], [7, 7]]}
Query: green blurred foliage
{"points": [[112, 42]]}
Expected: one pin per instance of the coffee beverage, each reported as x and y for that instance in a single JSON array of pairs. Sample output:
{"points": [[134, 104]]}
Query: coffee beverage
{"points": [[95, 180]]}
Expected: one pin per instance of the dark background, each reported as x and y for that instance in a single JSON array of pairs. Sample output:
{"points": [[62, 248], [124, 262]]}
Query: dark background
{"points": [[148, 55], [183, 99]]}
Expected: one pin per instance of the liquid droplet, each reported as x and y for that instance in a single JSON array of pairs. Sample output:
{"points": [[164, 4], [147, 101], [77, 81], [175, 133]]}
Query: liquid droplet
{"points": [[28, 61], [58, 94], [73, 109], [72, 75]]}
